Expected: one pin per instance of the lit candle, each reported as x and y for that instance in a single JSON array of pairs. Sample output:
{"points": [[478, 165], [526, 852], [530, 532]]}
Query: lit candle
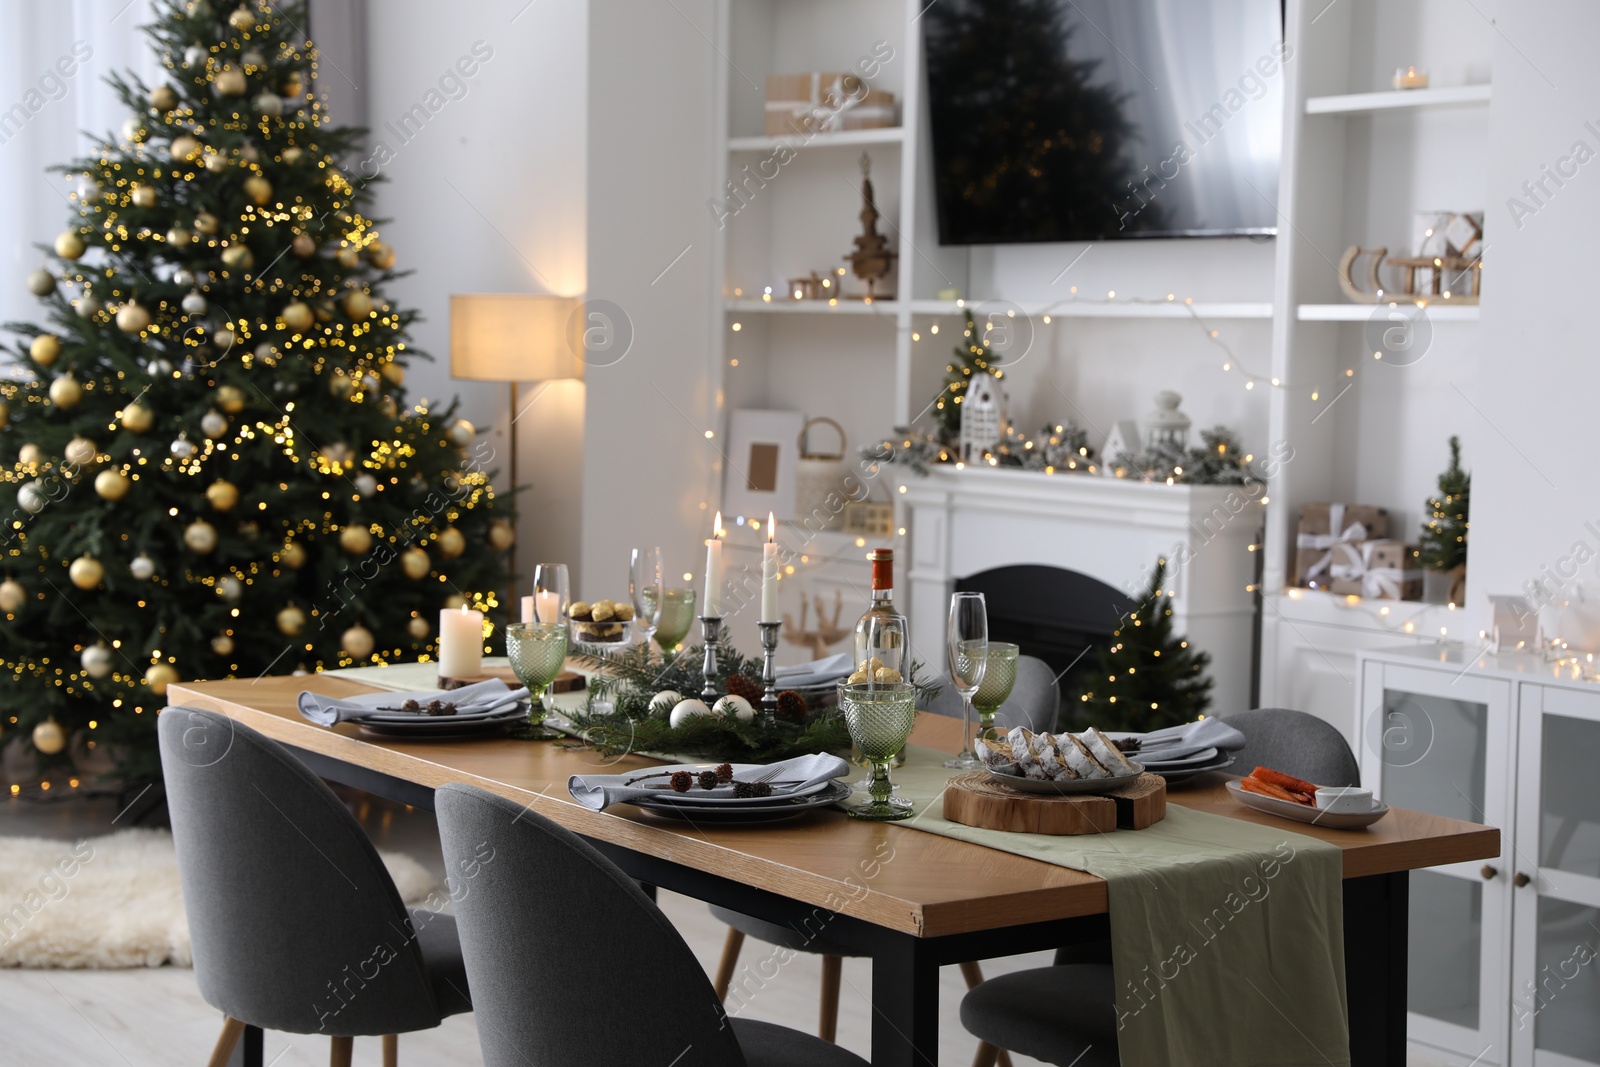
{"points": [[549, 604], [712, 599], [460, 643], [1410, 78], [769, 572], [527, 609]]}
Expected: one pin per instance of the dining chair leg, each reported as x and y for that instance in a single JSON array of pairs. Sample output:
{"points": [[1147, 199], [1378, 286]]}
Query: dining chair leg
{"points": [[391, 1050], [226, 1041], [986, 1056], [1000, 1057], [730, 960], [339, 1049], [828, 1022]]}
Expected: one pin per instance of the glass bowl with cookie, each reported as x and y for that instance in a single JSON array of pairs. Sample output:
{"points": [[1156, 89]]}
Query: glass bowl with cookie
{"points": [[601, 625]]}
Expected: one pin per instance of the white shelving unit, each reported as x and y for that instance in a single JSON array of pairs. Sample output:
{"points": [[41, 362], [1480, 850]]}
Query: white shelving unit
{"points": [[1355, 103], [841, 139], [1437, 312]]}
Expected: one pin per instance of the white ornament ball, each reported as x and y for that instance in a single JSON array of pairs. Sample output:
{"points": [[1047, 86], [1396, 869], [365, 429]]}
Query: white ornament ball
{"points": [[222, 645], [195, 304], [214, 424], [96, 660], [32, 498], [80, 451], [194, 56], [358, 642], [112, 485], [184, 148], [41, 282], [142, 568], [686, 710], [132, 317], [230, 588], [366, 484], [87, 306], [86, 572], [182, 449], [183, 276], [662, 703], [178, 237], [134, 131], [30, 454], [12, 596], [418, 628], [270, 105], [461, 433], [502, 535], [201, 537], [291, 620], [736, 707], [230, 81], [49, 738]]}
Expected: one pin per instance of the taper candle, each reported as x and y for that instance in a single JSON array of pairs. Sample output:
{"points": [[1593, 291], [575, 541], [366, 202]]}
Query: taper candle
{"points": [[769, 572], [713, 597]]}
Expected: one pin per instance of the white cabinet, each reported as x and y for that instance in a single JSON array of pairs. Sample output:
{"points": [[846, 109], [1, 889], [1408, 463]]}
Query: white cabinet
{"points": [[1504, 955]]}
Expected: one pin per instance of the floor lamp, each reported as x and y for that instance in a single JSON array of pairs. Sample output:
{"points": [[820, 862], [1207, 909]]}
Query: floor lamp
{"points": [[512, 338]]}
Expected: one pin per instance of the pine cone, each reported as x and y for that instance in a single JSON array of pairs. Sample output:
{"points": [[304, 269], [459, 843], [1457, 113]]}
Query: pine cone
{"points": [[681, 781], [724, 772], [742, 685], [742, 791], [791, 706], [708, 779]]}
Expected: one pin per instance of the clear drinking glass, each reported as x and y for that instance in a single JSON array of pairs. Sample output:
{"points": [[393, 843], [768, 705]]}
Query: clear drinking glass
{"points": [[551, 593], [879, 718], [537, 652], [675, 618], [645, 583], [999, 678], [967, 648]]}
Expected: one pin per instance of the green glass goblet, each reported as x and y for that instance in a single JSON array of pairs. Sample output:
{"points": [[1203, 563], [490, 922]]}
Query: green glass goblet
{"points": [[537, 652], [879, 718], [999, 678], [677, 616]]}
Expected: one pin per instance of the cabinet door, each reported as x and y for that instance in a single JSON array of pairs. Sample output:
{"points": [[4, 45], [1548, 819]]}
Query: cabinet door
{"points": [[1439, 741], [1555, 996]]}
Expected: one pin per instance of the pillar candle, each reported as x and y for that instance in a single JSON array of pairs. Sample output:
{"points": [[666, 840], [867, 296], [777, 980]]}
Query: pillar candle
{"points": [[549, 604], [769, 573], [713, 599], [527, 609], [460, 643]]}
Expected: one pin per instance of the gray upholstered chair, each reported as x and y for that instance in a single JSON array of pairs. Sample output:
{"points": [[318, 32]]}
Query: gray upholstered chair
{"points": [[295, 922], [571, 963], [1066, 1014]]}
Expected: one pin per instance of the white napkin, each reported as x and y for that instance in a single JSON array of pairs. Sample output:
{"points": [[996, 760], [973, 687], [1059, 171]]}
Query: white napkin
{"points": [[600, 791], [477, 701], [1185, 739], [817, 671]]}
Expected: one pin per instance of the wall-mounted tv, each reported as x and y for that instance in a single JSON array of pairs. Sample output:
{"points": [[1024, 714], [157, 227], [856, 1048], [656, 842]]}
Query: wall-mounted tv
{"points": [[1090, 120]]}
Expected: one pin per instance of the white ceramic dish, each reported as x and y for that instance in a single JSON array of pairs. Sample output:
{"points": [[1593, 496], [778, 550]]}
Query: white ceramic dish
{"points": [[1070, 787], [1289, 809]]}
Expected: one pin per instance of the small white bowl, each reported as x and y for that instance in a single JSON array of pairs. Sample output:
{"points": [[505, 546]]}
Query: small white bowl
{"points": [[1344, 800]]}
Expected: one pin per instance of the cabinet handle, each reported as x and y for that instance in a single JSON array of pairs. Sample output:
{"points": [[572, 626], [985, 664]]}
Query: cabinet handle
{"points": [[1489, 871], [1520, 879]]}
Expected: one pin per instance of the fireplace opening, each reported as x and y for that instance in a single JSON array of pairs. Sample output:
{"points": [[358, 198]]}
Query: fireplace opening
{"points": [[1057, 615]]}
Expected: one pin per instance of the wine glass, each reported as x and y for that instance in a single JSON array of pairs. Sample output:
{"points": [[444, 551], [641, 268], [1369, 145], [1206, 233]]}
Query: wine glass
{"points": [[645, 584], [675, 617], [879, 716], [999, 678], [967, 646], [538, 651], [551, 593]]}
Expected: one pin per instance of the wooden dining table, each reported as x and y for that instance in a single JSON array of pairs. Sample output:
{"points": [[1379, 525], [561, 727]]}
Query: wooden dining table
{"points": [[912, 901]]}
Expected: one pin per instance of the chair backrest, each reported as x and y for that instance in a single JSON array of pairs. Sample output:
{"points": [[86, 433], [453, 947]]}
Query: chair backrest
{"points": [[568, 961], [1035, 700], [295, 922], [1295, 743]]}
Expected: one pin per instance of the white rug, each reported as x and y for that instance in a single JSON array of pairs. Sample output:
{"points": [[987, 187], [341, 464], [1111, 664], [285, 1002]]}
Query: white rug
{"points": [[112, 901]]}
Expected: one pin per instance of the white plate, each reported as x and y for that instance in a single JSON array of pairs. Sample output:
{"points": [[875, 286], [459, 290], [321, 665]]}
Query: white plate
{"points": [[1072, 786], [740, 770], [1289, 809]]}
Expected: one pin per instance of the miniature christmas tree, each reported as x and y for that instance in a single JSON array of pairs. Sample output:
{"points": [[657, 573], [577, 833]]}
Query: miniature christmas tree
{"points": [[972, 356], [213, 471], [1148, 677], [1444, 534]]}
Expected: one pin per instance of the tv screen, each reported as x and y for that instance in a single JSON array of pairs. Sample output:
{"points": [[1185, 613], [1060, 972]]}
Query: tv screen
{"points": [[1090, 120]]}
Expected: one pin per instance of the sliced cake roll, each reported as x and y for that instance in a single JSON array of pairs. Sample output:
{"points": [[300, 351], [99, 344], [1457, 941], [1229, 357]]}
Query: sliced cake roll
{"points": [[1107, 754], [1044, 750], [1080, 759]]}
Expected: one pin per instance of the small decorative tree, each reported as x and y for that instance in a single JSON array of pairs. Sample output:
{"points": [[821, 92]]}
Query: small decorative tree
{"points": [[1149, 677], [1444, 533], [972, 356]]}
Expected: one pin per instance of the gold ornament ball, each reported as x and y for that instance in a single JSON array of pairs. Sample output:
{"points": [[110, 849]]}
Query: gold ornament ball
{"points": [[297, 316], [12, 596], [69, 244], [30, 454], [65, 392], [184, 149], [303, 246], [80, 451], [201, 537], [502, 535], [357, 304], [358, 642], [222, 495], [418, 628], [461, 433], [291, 87], [5, 414], [178, 237], [268, 104], [133, 317], [112, 485], [163, 98], [451, 542], [136, 418], [231, 81], [455, 602], [238, 257], [159, 676], [205, 222], [216, 163], [222, 645], [414, 562], [341, 386], [230, 398], [258, 189], [393, 373], [348, 257], [356, 540], [291, 620], [223, 339], [292, 155], [380, 255], [242, 20], [389, 408], [49, 738], [143, 196], [293, 555], [86, 572], [41, 282], [45, 348]]}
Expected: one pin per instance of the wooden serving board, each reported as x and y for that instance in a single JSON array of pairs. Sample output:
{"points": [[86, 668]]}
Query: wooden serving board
{"points": [[566, 681], [975, 799]]}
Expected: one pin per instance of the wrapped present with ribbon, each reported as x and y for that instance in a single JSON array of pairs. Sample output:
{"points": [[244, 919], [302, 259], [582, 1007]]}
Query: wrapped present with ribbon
{"points": [[825, 102], [1380, 570], [1322, 528]]}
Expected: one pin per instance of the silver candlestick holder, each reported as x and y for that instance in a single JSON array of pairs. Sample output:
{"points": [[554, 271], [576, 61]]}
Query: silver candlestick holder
{"points": [[769, 669], [711, 634]]}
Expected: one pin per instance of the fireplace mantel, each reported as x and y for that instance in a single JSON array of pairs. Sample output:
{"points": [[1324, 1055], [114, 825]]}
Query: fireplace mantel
{"points": [[961, 522]]}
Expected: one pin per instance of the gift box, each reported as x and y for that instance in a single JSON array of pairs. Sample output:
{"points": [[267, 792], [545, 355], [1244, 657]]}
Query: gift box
{"points": [[825, 102], [1381, 570], [1332, 533]]}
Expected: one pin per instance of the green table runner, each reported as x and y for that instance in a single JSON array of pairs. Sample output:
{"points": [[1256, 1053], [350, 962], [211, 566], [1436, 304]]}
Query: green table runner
{"points": [[1227, 937]]}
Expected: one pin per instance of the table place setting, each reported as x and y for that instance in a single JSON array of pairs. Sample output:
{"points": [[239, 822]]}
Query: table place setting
{"points": [[726, 792], [482, 707]]}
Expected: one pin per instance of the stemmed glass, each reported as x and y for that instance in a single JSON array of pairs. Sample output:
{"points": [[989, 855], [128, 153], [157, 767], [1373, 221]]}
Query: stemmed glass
{"points": [[999, 678], [967, 648], [675, 617], [879, 716], [538, 651], [646, 583], [551, 593]]}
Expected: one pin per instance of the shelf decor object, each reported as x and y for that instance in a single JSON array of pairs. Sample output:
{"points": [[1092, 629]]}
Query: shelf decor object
{"points": [[1453, 279], [872, 259], [819, 475], [825, 102], [1410, 78], [760, 475]]}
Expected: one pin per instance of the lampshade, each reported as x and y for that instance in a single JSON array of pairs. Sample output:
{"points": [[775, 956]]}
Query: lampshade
{"points": [[513, 337]]}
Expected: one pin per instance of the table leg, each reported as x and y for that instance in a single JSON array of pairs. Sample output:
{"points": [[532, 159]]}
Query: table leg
{"points": [[247, 1053], [905, 1004], [1376, 914]]}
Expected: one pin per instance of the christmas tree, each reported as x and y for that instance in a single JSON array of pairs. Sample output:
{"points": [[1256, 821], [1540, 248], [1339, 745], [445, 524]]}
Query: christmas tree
{"points": [[1148, 677], [972, 356], [1444, 535], [215, 471]]}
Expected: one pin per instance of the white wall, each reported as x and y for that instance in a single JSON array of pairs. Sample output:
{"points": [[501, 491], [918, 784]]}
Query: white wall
{"points": [[489, 197]]}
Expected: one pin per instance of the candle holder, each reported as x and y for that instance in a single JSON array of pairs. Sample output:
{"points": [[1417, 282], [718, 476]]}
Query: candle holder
{"points": [[769, 669], [711, 633]]}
